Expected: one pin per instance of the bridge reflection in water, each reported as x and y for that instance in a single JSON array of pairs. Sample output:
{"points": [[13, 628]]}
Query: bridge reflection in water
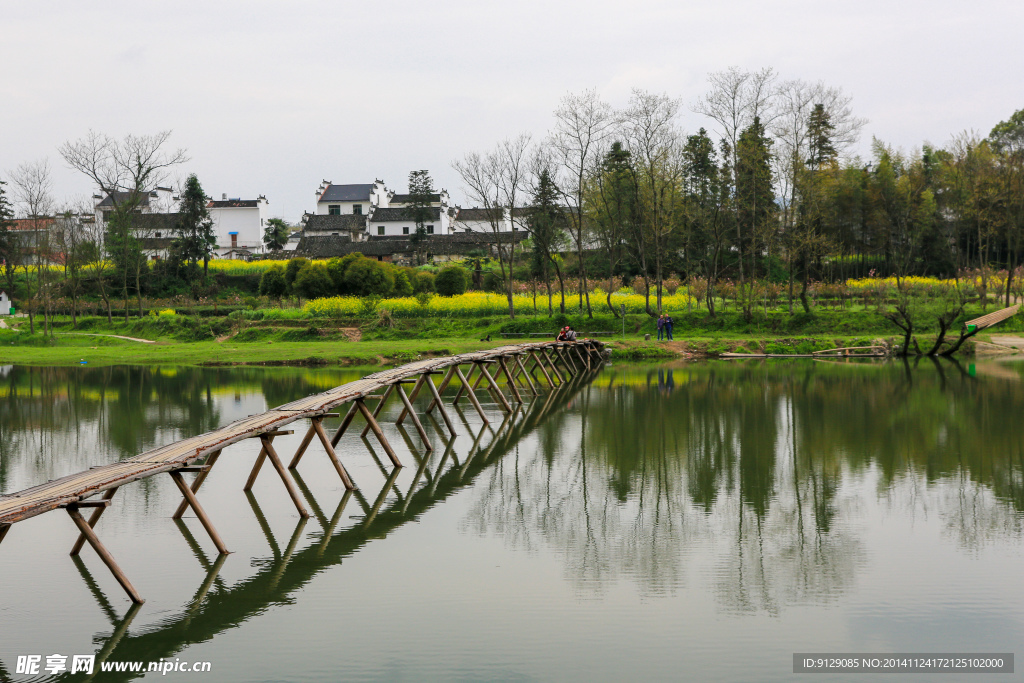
{"points": [[216, 607]]}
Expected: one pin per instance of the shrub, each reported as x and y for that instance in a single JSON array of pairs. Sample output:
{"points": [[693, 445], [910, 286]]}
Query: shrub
{"points": [[291, 271], [402, 285], [273, 282], [313, 282], [423, 281], [451, 281], [365, 277]]}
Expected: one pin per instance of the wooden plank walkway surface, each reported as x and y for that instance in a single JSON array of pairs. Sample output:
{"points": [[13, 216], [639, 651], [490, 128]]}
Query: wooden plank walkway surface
{"points": [[992, 318], [75, 488]]}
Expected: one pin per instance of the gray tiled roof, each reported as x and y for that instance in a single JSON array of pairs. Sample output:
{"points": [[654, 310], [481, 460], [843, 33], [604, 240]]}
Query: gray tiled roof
{"points": [[329, 246], [346, 222], [347, 193], [234, 204], [108, 201], [391, 215], [406, 198], [479, 214]]}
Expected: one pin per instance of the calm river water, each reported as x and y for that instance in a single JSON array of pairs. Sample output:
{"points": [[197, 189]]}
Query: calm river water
{"points": [[690, 522]]}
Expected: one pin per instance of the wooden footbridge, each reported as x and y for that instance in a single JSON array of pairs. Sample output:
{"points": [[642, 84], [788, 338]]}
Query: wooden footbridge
{"points": [[526, 367]]}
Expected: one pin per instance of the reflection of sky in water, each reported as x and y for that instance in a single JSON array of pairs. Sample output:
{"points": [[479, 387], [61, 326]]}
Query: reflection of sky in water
{"points": [[699, 522]]}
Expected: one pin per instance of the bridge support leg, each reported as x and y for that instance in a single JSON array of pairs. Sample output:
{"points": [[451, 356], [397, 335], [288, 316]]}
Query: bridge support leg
{"points": [[301, 450], [190, 497], [268, 449], [535, 357], [256, 468], [440, 404], [472, 394], [412, 413], [376, 410], [4, 528], [108, 559], [511, 380], [378, 432], [444, 385], [494, 385], [567, 361], [197, 482], [521, 369], [412, 397], [93, 519], [349, 416], [465, 383], [318, 427], [551, 364]]}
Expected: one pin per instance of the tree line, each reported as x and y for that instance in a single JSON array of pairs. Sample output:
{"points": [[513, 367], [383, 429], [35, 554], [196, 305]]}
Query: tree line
{"points": [[775, 193]]}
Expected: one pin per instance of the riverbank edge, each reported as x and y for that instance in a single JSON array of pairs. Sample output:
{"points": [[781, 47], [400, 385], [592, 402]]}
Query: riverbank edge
{"points": [[113, 351]]}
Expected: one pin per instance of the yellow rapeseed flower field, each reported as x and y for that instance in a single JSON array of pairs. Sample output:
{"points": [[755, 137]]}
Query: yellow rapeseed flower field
{"points": [[474, 304]]}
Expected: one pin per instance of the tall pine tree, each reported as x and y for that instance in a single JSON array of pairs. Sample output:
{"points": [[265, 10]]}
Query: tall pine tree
{"points": [[196, 240]]}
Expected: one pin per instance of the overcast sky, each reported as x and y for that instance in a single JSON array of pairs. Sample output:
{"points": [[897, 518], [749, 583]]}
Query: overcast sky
{"points": [[272, 97]]}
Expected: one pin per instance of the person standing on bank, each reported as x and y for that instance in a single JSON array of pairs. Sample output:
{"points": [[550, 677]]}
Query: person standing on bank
{"points": [[661, 326], [668, 327]]}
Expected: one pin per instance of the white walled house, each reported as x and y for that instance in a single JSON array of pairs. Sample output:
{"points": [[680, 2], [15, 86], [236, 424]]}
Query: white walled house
{"points": [[485, 220], [391, 222], [5, 303], [238, 225], [351, 199]]}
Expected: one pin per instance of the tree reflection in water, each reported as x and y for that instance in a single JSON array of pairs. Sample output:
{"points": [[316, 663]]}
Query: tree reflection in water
{"points": [[766, 467]]}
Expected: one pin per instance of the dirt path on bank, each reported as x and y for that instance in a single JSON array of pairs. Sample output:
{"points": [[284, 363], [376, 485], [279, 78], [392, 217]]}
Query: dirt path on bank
{"points": [[115, 336]]}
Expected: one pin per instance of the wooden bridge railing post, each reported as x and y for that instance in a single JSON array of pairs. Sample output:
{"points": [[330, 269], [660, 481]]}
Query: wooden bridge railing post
{"points": [[190, 497], [94, 541], [93, 519], [211, 460]]}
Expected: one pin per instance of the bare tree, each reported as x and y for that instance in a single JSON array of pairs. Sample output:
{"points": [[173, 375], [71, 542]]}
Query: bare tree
{"points": [[497, 181], [33, 191], [655, 143], [736, 98], [125, 170], [70, 237], [583, 123]]}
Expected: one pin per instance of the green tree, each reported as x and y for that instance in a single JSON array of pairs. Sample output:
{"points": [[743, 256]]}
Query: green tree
{"points": [[451, 281], [613, 202], [275, 235], [195, 240], [705, 235], [273, 283], [313, 281], [10, 248], [421, 195], [366, 277], [1007, 139], [755, 202], [546, 222]]}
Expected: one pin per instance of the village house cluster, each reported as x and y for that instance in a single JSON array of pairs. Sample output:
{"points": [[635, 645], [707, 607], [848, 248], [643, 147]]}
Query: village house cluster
{"points": [[368, 218]]}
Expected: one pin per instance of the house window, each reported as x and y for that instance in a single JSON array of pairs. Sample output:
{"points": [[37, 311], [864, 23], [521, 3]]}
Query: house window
{"points": [[158, 234], [357, 209], [430, 229], [334, 209], [405, 230], [380, 229], [380, 258]]}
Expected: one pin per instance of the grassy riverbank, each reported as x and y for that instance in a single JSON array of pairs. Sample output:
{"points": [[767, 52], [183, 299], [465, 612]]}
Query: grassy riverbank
{"points": [[262, 338]]}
